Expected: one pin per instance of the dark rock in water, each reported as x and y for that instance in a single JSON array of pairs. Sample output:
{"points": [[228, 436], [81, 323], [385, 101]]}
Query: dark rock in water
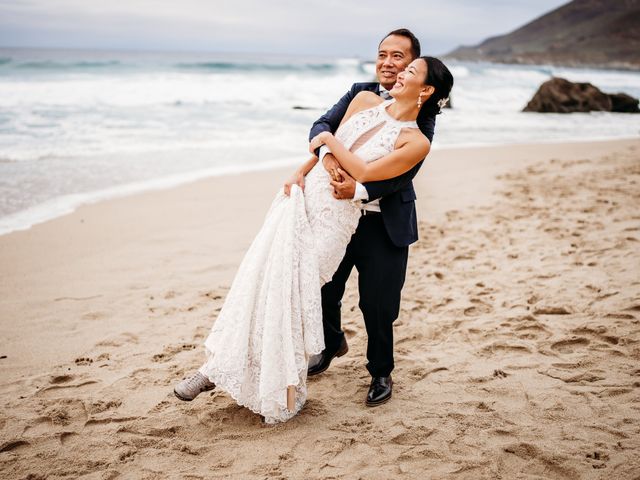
{"points": [[621, 102], [562, 96], [300, 107]]}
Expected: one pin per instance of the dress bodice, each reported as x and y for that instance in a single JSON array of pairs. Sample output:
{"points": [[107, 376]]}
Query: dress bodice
{"points": [[372, 132]]}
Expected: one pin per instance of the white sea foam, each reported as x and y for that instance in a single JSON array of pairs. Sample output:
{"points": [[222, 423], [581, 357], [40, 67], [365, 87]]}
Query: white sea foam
{"points": [[65, 204], [77, 127]]}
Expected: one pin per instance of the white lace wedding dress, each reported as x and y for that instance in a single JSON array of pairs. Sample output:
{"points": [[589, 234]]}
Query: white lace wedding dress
{"points": [[271, 320]]}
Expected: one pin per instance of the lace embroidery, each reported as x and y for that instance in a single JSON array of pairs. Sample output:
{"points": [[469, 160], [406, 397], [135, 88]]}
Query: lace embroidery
{"points": [[271, 320]]}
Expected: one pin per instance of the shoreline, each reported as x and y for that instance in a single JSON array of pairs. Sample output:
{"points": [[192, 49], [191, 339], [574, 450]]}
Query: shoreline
{"points": [[58, 207]]}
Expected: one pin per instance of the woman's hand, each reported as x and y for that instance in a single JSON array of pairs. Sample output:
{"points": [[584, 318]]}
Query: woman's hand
{"points": [[296, 179], [332, 166], [318, 141]]}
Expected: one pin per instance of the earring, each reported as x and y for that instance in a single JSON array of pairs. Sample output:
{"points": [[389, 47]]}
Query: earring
{"points": [[419, 100]]}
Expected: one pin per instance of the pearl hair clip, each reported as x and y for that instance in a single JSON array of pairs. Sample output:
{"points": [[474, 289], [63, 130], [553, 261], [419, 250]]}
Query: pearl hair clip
{"points": [[442, 102]]}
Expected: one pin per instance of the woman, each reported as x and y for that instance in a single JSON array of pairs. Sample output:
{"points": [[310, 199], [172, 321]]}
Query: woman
{"points": [[271, 321]]}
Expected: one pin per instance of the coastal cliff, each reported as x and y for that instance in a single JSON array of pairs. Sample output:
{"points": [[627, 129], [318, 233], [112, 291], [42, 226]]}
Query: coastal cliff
{"points": [[582, 33]]}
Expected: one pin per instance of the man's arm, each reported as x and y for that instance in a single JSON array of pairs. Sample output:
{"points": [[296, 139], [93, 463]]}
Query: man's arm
{"points": [[375, 190], [330, 121], [382, 188]]}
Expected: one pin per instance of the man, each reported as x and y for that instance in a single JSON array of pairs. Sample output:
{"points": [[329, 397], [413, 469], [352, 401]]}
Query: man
{"points": [[379, 247]]}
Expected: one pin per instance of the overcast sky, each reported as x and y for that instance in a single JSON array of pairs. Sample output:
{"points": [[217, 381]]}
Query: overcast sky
{"points": [[319, 27]]}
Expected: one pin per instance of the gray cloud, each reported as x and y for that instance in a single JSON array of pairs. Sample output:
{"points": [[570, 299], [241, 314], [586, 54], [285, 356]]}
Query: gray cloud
{"points": [[283, 26]]}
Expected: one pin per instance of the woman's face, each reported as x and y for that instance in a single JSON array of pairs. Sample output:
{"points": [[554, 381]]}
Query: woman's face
{"points": [[410, 82]]}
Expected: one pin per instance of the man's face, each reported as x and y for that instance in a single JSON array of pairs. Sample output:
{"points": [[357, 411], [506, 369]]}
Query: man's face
{"points": [[394, 54]]}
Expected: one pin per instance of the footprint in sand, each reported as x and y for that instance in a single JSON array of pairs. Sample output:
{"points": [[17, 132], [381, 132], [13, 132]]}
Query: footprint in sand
{"points": [[614, 392], [569, 345], [93, 422], [171, 351], [100, 406], [418, 374], [529, 327], [13, 445], [579, 378], [352, 425], [496, 347], [547, 462], [551, 311], [119, 340], [620, 316], [56, 379], [598, 459], [60, 382], [65, 437], [598, 332], [415, 436], [478, 308]]}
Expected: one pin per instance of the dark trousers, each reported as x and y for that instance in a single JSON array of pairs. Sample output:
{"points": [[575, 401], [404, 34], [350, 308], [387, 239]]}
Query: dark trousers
{"points": [[382, 268]]}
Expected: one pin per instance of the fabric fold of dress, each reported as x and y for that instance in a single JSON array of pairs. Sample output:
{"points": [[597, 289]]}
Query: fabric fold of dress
{"points": [[271, 321]]}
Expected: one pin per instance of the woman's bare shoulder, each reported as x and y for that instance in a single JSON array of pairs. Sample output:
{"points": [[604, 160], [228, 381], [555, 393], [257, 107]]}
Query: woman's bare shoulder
{"points": [[361, 101], [415, 135], [367, 99], [416, 138]]}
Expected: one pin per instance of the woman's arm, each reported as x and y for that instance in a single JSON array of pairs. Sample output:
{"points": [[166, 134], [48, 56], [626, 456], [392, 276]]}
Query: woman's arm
{"points": [[298, 176], [401, 160]]}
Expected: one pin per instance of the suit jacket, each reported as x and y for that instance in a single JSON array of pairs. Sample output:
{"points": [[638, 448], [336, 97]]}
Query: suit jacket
{"points": [[397, 196]]}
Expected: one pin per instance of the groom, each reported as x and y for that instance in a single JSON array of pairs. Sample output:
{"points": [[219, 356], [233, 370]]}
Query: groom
{"points": [[379, 247]]}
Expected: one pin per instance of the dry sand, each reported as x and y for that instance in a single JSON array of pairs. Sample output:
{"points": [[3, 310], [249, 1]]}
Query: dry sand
{"points": [[517, 346]]}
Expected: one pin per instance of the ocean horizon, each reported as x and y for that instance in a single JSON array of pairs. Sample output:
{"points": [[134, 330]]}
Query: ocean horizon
{"points": [[80, 126]]}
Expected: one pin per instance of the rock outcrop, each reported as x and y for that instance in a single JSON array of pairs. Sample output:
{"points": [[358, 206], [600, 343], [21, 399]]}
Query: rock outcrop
{"points": [[562, 96], [621, 102]]}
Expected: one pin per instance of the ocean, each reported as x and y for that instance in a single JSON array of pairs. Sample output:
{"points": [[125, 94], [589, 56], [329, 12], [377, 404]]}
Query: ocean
{"points": [[78, 126]]}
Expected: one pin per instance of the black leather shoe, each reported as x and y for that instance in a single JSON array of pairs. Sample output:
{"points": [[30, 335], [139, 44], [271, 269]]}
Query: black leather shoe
{"points": [[379, 391], [319, 363]]}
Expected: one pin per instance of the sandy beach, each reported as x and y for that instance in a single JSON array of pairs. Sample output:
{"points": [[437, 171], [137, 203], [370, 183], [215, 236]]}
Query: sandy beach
{"points": [[517, 347]]}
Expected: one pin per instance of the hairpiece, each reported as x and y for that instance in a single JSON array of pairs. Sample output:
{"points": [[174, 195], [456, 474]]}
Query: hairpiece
{"points": [[443, 102]]}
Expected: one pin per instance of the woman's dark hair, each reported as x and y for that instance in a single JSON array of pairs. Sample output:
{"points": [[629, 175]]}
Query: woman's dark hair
{"points": [[404, 32], [440, 78]]}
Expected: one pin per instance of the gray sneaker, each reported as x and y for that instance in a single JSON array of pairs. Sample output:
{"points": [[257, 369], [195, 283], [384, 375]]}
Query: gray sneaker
{"points": [[191, 387]]}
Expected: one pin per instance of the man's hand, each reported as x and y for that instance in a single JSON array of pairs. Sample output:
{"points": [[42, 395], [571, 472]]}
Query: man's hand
{"points": [[331, 165], [296, 179], [345, 187]]}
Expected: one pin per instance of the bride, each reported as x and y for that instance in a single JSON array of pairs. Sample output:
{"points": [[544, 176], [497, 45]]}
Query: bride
{"points": [[271, 320]]}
